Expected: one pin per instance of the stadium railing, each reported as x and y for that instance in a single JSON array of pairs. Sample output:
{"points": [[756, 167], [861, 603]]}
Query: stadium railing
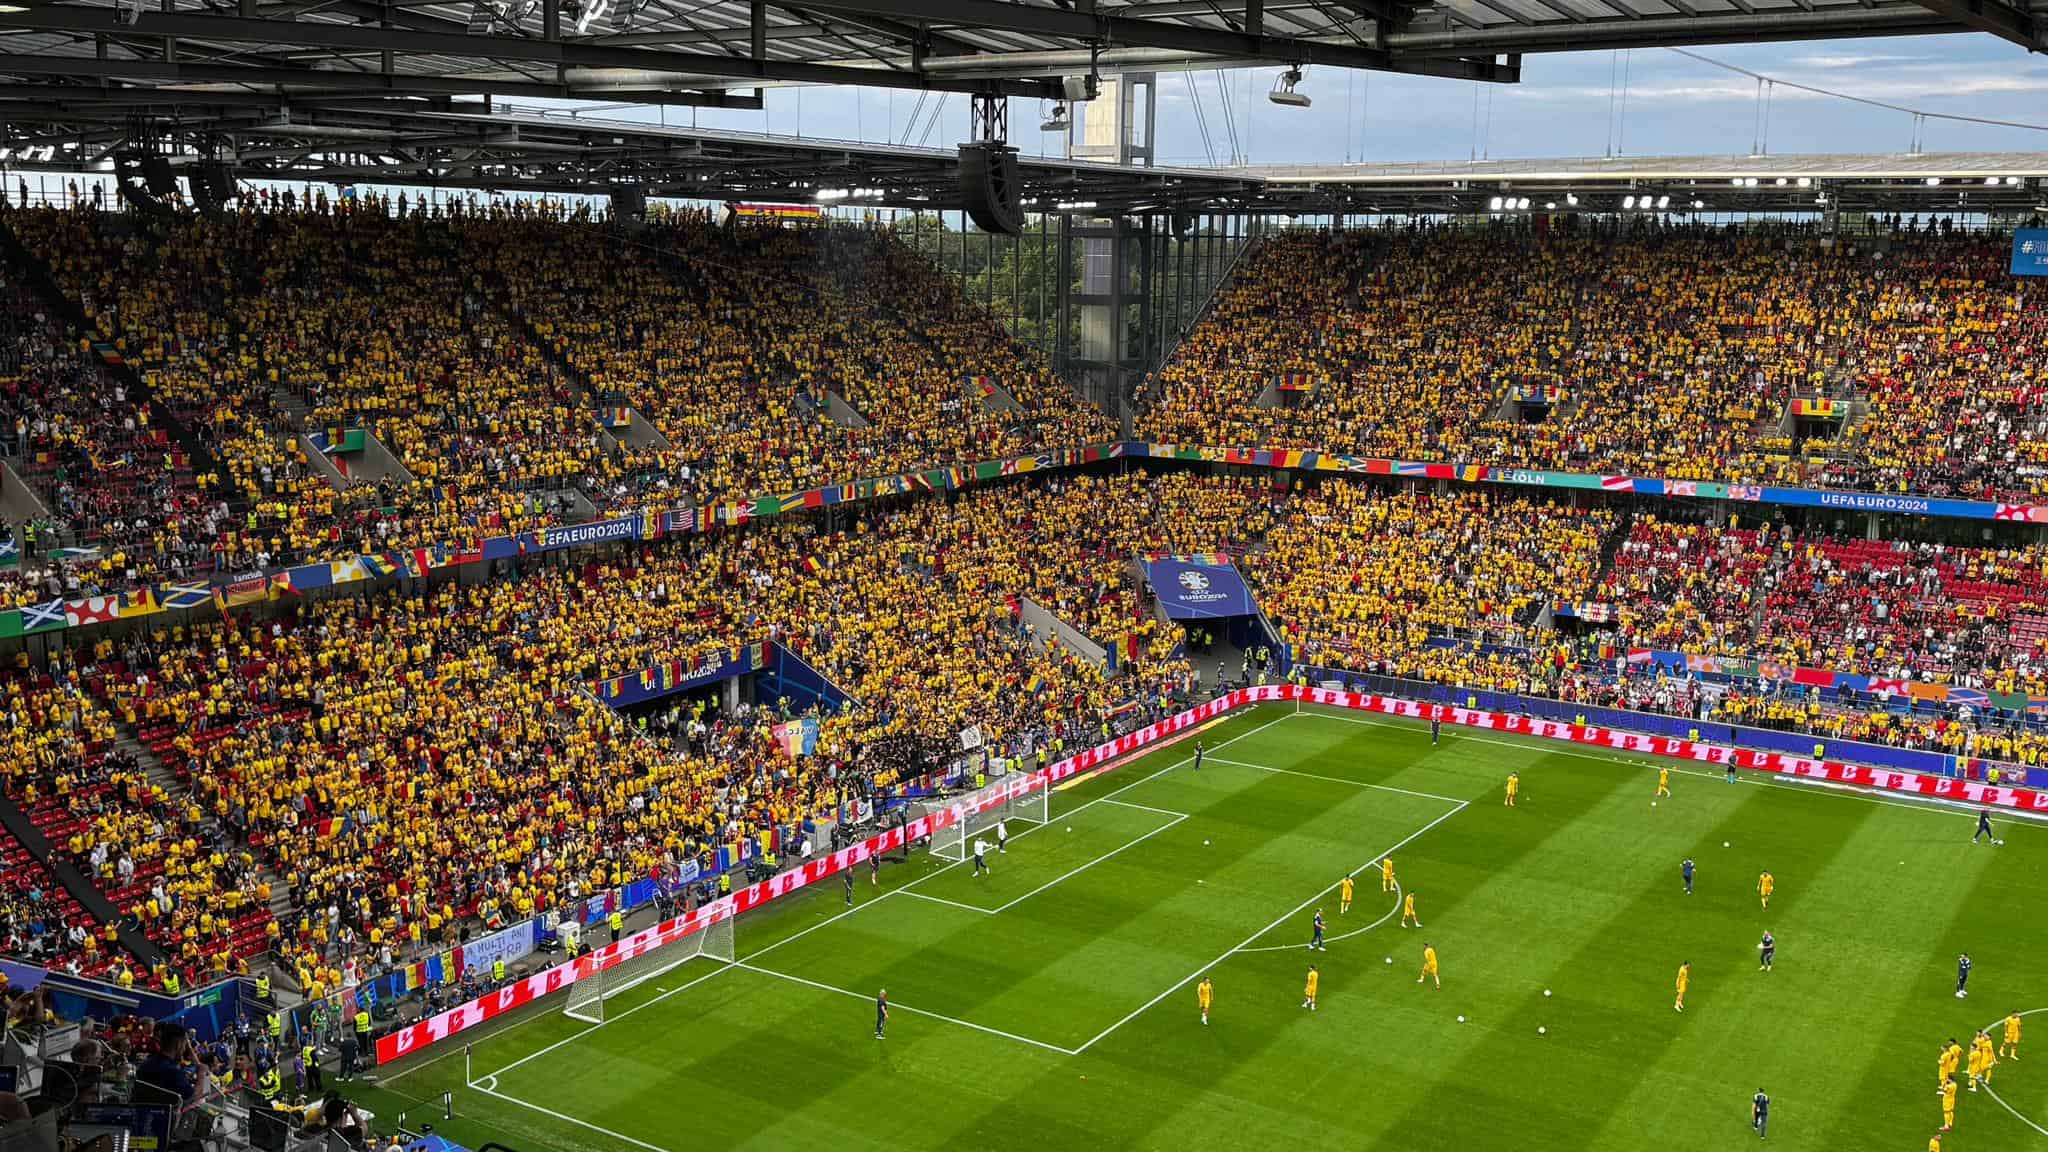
{"points": [[414, 1038]]}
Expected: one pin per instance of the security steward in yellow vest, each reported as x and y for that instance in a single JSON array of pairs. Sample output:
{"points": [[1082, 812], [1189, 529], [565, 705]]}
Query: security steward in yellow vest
{"points": [[618, 923]]}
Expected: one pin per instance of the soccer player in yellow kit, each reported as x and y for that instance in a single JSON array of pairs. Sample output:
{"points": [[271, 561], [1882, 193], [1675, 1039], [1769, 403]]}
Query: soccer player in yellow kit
{"points": [[1408, 911], [1343, 895], [1684, 980], [2011, 1048], [1934, 1143], [1951, 1059], [1514, 786], [1986, 1059], [1309, 993], [1765, 884], [1948, 1106], [1387, 874], [1976, 1065], [1429, 966], [1205, 994], [1663, 781]]}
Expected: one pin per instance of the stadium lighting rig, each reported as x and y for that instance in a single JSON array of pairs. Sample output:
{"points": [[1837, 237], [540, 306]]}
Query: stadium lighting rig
{"points": [[1283, 89]]}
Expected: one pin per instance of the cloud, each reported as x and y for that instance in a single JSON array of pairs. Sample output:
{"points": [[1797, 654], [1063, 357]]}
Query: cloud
{"points": [[1844, 61]]}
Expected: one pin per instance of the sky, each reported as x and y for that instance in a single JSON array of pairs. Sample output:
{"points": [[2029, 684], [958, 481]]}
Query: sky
{"points": [[1647, 102]]}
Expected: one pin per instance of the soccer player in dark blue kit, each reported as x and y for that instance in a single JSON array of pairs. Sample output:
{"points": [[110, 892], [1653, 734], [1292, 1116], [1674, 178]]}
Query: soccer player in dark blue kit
{"points": [[1198, 755], [1963, 976], [1767, 951], [881, 1012], [1760, 1114], [1685, 870], [1436, 725], [1983, 827], [1316, 942]]}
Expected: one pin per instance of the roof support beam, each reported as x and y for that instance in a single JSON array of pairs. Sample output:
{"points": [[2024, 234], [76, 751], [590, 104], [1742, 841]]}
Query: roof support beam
{"points": [[576, 53], [2000, 19], [1111, 30], [309, 82]]}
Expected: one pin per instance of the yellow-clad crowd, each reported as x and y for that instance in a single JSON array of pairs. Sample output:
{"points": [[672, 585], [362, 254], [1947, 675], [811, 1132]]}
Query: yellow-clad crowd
{"points": [[1663, 350], [1356, 575]]}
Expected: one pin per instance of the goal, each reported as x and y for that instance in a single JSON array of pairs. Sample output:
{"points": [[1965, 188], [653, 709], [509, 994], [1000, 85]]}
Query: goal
{"points": [[1004, 805], [588, 997]]}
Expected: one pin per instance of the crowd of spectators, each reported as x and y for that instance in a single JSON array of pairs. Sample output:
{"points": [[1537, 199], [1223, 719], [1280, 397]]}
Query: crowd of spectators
{"points": [[412, 764], [1670, 350]]}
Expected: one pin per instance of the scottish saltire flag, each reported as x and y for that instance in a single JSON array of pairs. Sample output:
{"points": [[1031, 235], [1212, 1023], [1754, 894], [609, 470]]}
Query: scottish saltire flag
{"points": [[43, 617], [179, 596], [10, 553]]}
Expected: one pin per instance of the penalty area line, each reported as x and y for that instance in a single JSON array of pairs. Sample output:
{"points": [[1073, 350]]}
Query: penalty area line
{"points": [[1328, 940], [907, 1008], [1277, 922]]}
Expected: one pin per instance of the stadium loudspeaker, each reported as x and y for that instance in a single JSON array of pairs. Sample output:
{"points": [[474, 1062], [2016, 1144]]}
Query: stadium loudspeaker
{"points": [[156, 174], [1183, 223], [212, 186], [989, 188], [628, 203]]}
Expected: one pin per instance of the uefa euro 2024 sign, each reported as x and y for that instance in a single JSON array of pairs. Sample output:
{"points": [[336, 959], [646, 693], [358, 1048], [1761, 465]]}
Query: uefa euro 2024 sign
{"points": [[1194, 581]]}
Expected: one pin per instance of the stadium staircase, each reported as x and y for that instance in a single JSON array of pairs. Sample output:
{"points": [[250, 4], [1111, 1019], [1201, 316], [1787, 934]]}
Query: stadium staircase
{"points": [[36, 275], [80, 886]]}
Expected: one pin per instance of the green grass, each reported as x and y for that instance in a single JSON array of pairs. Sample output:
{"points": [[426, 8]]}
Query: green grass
{"points": [[1066, 1020]]}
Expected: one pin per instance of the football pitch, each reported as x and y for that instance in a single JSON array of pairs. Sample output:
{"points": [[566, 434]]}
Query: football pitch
{"points": [[1051, 1003]]}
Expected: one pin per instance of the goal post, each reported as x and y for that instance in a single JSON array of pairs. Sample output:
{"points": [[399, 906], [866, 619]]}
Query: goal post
{"points": [[997, 804], [589, 996]]}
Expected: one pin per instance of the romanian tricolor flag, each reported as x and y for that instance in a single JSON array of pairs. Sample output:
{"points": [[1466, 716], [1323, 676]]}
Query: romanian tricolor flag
{"points": [[811, 565], [1032, 685], [140, 602]]}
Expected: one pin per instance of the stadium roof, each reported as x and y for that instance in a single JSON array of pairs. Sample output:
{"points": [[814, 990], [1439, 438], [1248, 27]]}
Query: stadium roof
{"points": [[1960, 182], [114, 62]]}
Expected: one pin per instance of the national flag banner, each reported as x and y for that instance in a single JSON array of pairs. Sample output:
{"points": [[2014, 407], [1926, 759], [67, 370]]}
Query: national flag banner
{"points": [[472, 551], [347, 571], [377, 565], [178, 597], [653, 526], [43, 617], [647, 678], [811, 565], [612, 687], [1681, 487], [1032, 685], [1617, 483], [415, 976], [241, 592], [92, 610], [1641, 655], [139, 602], [670, 673], [10, 553], [281, 586]]}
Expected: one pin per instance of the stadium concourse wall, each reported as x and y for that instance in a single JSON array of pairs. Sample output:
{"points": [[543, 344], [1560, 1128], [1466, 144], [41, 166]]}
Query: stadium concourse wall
{"points": [[414, 1038]]}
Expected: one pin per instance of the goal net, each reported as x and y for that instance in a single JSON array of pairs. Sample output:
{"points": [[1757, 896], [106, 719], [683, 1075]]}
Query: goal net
{"points": [[588, 997], [1004, 807]]}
